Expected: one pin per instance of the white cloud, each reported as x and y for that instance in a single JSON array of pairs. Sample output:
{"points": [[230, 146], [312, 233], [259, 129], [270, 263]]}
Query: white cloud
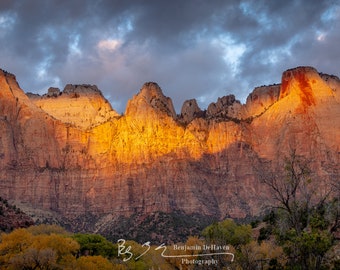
{"points": [[74, 48], [232, 51], [321, 36], [7, 19], [110, 45]]}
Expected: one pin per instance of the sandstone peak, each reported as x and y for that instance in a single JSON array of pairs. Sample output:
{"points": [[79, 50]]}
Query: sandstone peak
{"points": [[13, 99], [151, 90], [6, 73], [150, 96], [299, 69], [334, 83], [82, 105], [261, 99], [329, 78], [190, 110], [225, 107], [304, 87], [296, 75], [81, 89], [297, 84], [10, 80], [53, 92]]}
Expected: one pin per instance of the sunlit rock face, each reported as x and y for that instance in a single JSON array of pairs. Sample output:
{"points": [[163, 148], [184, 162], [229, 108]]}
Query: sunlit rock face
{"points": [[69, 153], [150, 98], [334, 83], [79, 105], [298, 120], [260, 100]]}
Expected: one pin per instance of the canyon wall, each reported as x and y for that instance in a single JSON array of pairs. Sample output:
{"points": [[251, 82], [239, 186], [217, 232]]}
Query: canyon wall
{"points": [[68, 152]]}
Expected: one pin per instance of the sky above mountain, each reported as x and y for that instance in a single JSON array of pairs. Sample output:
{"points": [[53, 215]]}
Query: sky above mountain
{"points": [[192, 49]]}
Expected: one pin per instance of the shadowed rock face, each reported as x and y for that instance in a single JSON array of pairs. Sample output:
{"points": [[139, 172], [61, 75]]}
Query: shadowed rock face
{"points": [[69, 153], [190, 111]]}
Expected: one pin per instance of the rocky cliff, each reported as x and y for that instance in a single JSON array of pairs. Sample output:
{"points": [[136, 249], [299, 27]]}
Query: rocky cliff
{"points": [[82, 106], [69, 153], [12, 217]]}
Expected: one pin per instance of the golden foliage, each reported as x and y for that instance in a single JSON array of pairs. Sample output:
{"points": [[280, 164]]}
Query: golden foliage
{"points": [[259, 256], [23, 250], [95, 262]]}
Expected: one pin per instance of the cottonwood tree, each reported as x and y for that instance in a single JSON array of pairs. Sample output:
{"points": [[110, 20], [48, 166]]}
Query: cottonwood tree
{"points": [[21, 249], [227, 232], [304, 205]]}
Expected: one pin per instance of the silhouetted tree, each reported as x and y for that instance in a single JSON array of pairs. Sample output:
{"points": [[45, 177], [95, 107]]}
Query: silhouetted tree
{"points": [[304, 218]]}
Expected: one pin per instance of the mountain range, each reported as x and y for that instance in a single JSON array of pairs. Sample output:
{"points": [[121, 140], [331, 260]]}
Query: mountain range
{"points": [[68, 157]]}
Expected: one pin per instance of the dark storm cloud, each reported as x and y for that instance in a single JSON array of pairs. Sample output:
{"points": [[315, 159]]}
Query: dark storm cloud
{"points": [[194, 48]]}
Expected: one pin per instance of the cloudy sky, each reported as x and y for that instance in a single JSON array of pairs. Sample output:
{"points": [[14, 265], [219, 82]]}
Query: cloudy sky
{"points": [[200, 49]]}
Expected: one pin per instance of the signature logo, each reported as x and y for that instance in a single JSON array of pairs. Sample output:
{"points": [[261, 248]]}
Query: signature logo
{"points": [[124, 250]]}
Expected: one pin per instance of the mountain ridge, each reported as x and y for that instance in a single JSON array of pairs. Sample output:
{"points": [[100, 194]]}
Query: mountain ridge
{"points": [[273, 92], [95, 173]]}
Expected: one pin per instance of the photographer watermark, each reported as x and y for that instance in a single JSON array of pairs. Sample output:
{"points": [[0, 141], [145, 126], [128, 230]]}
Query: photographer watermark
{"points": [[203, 257]]}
